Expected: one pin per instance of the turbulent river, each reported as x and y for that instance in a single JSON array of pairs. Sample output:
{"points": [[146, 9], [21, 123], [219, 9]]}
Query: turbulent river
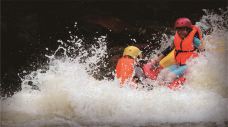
{"points": [[65, 94]]}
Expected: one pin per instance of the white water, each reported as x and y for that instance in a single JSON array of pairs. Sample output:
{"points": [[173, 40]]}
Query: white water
{"points": [[69, 96]]}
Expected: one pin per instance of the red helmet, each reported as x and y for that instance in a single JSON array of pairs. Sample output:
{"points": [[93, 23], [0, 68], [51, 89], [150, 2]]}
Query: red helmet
{"points": [[183, 22]]}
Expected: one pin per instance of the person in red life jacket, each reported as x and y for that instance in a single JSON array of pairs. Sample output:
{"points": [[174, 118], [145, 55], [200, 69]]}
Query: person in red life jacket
{"points": [[186, 42], [128, 70]]}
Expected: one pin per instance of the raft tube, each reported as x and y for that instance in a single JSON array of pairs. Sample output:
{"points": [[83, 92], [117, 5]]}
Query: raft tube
{"points": [[152, 72]]}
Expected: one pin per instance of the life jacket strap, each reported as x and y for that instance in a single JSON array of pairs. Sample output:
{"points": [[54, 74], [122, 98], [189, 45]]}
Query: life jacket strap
{"points": [[181, 64], [181, 51]]}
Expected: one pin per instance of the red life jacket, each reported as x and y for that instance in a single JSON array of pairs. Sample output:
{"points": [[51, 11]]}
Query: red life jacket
{"points": [[184, 49], [125, 69]]}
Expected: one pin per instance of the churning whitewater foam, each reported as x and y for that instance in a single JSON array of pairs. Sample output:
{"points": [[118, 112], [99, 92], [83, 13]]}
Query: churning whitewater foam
{"points": [[67, 95]]}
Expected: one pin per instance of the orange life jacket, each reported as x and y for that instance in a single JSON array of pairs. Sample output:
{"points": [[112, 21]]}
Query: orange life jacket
{"points": [[184, 49], [125, 69]]}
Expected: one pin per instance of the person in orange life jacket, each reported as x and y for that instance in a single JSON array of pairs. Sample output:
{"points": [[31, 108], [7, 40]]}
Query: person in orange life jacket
{"points": [[187, 40], [128, 68]]}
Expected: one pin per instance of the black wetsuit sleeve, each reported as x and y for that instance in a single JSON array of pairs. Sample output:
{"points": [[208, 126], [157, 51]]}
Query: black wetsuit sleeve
{"points": [[167, 51]]}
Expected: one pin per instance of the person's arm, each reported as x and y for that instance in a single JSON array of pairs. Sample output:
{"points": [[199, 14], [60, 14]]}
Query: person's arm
{"points": [[161, 55], [167, 50], [199, 44]]}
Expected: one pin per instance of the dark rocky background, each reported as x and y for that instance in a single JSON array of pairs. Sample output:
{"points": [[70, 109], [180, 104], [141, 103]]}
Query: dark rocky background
{"points": [[28, 27]]}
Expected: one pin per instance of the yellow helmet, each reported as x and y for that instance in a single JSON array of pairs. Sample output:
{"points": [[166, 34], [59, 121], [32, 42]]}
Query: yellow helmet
{"points": [[132, 51]]}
